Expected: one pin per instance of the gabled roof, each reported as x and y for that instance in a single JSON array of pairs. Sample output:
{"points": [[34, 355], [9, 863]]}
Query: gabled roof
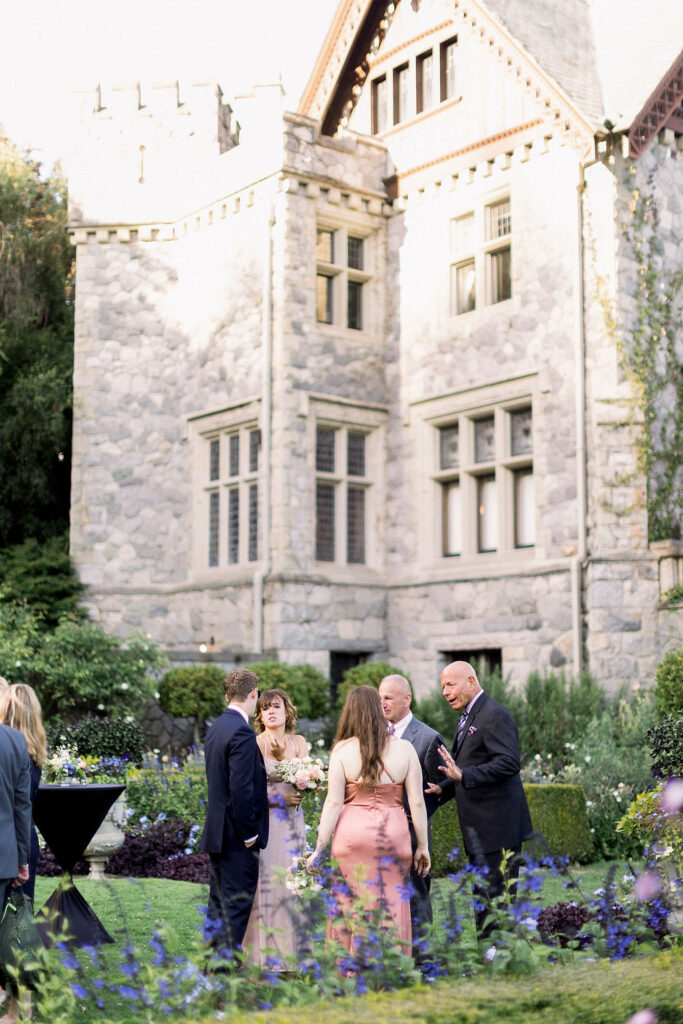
{"points": [[559, 36], [588, 62]]}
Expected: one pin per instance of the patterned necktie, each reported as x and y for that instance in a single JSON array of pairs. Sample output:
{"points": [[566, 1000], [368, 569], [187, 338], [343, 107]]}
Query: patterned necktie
{"points": [[391, 728], [461, 726]]}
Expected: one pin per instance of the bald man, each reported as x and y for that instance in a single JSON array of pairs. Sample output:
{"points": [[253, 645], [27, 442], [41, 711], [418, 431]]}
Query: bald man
{"points": [[482, 772], [394, 692]]}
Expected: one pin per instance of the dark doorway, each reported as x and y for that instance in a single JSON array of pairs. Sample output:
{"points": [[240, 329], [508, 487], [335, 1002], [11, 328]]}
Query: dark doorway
{"points": [[485, 661], [341, 662]]}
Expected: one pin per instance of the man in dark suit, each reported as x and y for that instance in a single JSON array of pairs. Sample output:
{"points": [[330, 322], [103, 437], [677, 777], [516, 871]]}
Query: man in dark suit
{"points": [[394, 692], [237, 815], [483, 772], [15, 810]]}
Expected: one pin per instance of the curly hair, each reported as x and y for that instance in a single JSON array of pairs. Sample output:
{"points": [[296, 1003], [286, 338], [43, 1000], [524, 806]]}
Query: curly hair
{"points": [[362, 717], [265, 700]]}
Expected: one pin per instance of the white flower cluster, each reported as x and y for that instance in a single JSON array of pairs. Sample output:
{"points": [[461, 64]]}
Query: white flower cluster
{"points": [[298, 880], [304, 773]]}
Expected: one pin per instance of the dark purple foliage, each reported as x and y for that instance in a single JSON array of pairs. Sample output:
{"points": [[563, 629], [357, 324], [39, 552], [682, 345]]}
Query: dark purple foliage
{"points": [[564, 921]]}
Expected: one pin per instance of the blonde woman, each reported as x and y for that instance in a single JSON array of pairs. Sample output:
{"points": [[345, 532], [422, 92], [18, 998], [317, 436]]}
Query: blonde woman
{"points": [[20, 709], [272, 922]]}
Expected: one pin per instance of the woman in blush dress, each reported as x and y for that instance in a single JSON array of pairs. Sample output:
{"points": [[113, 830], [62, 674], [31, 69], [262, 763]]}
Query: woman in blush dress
{"points": [[20, 709], [271, 931], [363, 814]]}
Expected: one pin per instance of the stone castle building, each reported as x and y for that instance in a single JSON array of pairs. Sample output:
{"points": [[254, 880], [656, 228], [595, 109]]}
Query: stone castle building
{"points": [[347, 384]]}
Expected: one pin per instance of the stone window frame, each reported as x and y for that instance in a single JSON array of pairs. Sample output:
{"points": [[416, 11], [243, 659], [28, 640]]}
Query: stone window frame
{"points": [[339, 273], [473, 251], [371, 420], [205, 429], [465, 408]]}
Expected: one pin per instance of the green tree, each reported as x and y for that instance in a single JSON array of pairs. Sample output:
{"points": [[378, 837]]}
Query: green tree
{"points": [[36, 351]]}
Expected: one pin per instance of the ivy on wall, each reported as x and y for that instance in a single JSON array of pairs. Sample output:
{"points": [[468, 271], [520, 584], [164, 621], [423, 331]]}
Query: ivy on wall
{"points": [[649, 357], [647, 350]]}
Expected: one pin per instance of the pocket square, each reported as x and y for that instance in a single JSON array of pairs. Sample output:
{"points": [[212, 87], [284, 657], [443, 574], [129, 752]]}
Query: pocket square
{"points": [[471, 731]]}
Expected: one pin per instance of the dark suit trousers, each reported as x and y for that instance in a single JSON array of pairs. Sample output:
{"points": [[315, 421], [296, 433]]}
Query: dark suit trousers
{"points": [[493, 884], [234, 877]]}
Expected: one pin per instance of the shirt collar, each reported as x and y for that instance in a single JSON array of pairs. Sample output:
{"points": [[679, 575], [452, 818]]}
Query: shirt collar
{"points": [[473, 701], [241, 711], [400, 727]]}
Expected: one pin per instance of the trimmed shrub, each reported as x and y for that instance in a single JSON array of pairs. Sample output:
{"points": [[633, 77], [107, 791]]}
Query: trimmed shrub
{"points": [[41, 577], [669, 684], [77, 668], [558, 812], [666, 744], [176, 791], [100, 737], [446, 837], [370, 673], [308, 689], [193, 691]]}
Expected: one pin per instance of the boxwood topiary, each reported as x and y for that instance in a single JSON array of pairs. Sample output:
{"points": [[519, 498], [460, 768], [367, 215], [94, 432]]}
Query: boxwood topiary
{"points": [[669, 684], [666, 743], [193, 691], [308, 689], [100, 737], [558, 812], [370, 673]]}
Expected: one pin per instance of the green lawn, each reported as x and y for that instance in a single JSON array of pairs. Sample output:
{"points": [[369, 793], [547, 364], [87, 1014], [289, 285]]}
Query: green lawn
{"points": [[131, 909]]}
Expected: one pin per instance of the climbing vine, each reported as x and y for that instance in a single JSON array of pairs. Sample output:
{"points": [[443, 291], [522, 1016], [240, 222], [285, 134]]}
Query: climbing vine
{"points": [[649, 356], [647, 349]]}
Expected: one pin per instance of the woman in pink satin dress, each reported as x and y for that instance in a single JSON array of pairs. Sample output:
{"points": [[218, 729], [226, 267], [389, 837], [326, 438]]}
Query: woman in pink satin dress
{"points": [[364, 815]]}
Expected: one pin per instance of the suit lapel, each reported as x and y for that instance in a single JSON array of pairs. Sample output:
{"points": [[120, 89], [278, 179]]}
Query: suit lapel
{"points": [[457, 745]]}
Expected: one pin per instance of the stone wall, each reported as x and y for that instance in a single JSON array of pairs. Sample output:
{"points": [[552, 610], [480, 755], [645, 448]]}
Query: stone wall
{"points": [[627, 631]]}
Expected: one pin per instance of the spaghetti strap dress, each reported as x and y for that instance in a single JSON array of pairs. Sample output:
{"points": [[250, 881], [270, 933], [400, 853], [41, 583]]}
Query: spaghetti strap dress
{"points": [[371, 844]]}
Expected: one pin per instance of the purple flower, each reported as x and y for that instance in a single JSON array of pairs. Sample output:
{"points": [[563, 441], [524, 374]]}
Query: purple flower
{"points": [[672, 798], [647, 886], [471, 731]]}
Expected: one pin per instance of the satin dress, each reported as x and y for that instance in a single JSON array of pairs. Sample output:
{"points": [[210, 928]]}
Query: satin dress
{"points": [[272, 928], [371, 844]]}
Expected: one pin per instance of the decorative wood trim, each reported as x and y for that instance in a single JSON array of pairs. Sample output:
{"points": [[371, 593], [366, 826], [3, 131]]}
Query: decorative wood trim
{"points": [[382, 57], [659, 109], [479, 144], [344, 62]]}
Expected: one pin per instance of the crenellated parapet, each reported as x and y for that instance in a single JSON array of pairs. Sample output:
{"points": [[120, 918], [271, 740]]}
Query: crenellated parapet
{"points": [[146, 155]]}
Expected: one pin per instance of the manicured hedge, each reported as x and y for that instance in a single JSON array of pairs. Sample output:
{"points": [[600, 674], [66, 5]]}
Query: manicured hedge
{"points": [[558, 812]]}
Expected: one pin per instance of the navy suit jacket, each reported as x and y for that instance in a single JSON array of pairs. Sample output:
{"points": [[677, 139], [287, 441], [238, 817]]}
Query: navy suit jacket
{"points": [[236, 777], [491, 800], [15, 802], [426, 742]]}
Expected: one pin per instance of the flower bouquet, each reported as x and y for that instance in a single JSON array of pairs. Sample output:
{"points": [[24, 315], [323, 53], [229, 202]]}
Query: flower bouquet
{"points": [[68, 767], [298, 880], [306, 774]]}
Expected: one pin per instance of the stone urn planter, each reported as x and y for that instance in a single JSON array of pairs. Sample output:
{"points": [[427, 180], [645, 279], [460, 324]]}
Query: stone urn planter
{"points": [[107, 840]]}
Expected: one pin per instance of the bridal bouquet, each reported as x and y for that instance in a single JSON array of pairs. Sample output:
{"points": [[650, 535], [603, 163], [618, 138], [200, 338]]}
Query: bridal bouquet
{"points": [[298, 880], [304, 773]]}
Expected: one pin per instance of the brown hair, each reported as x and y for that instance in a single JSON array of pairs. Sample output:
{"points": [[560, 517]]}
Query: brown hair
{"points": [[362, 717], [265, 700], [20, 709], [239, 683]]}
